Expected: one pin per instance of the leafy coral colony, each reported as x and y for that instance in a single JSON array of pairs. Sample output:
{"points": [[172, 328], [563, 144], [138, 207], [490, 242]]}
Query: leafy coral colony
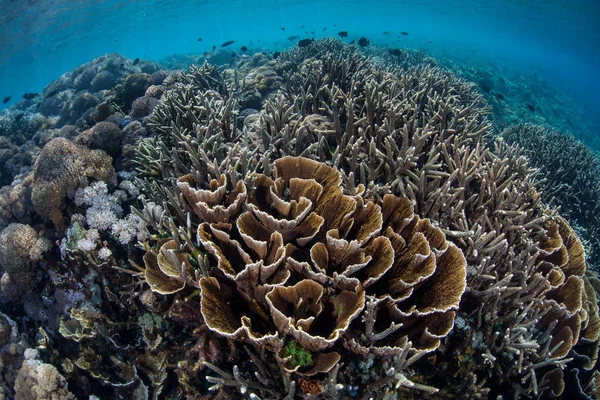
{"points": [[326, 224]]}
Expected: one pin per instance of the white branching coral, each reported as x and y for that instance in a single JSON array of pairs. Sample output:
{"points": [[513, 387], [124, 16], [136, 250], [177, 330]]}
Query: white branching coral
{"points": [[104, 212], [104, 209], [39, 381]]}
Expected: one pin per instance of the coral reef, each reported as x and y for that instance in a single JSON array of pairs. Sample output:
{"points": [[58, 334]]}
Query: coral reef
{"points": [[570, 174], [39, 381], [328, 222], [20, 248], [330, 271], [61, 168], [394, 131]]}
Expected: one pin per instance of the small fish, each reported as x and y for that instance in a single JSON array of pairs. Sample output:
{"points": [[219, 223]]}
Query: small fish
{"points": [[122, 65], [531, 108], [305, 42], [292, 38], [282, 28], [334, 25], [500, 96], [243, 48], [501, 79], [29, 96], [324, 29], [276, 55], [52, 93], [313, 32], [395, 52], [206, 54], [484, 87], [214, 47], [199, 39], [404, 33], [430, 42], [227, 43], [343, 34], [386, 33], [301, 26], [363, 42], [116, 39], [352, 42], [136, 61], [6, 99]]}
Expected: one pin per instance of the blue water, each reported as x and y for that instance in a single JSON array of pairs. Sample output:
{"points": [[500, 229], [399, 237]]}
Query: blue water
{"points": [[558, 40]]}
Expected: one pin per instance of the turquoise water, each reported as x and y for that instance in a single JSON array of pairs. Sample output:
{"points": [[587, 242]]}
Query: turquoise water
{"points": [[116, 194], [40, 40]]}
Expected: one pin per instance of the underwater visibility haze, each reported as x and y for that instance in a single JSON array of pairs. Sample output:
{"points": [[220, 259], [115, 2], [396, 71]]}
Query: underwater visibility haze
{"points": [[299, 200]]}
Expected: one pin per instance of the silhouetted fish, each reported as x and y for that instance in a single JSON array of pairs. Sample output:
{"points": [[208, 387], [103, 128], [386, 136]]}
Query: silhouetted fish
{"points": [[29, 96], [6, 99], [484, 87], [395, 52], [305, 42], [214, 47], [243, 48], [313, 32], [199, 39], [276, 55], [386, 33], [52, 93], [343, 34], [301, 26], [324, 29], [404, 33], [136, 61], [227, 43], [500, 96], [282, 28], [531, 108], [363, 42], [292, 38]]}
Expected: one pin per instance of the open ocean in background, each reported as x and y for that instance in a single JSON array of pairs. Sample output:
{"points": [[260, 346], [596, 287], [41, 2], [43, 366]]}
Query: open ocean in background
{"points": [[559, 40]]}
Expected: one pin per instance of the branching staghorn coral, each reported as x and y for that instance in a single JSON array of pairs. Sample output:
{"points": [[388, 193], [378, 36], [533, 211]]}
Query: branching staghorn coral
{"points": [[421, 134], [571, 176]]}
